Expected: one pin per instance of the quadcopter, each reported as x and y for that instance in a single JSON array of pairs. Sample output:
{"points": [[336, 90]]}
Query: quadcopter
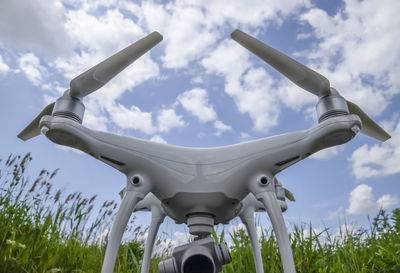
{"points": [[202, 187]]}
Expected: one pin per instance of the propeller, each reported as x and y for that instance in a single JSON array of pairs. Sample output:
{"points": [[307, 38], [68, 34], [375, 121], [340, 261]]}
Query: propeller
{"points": [[289, 195], [32, 129], [305, 78], [96, 77]]}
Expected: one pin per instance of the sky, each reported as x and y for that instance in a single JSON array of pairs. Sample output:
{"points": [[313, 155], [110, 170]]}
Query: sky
{"points": [[199, 88]]}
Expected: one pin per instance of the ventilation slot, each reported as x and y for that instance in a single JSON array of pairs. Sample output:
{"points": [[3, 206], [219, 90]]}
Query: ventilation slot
{"points": [[286, 161], [116, 162]]}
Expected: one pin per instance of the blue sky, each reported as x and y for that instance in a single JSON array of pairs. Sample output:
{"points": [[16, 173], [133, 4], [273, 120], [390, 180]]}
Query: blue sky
{"points": [[199, 88]]}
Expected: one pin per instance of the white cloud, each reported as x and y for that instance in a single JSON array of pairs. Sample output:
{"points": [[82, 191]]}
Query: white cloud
{"points": [[345, 230], [357, 50], [181, 40], [251, 88], [98, 123], [98, 37], [132, 118], [94, 116], [101, 239], [182, 237], [327, 153], [387, 201], [187, 41], [4, 68], [229, 59], [102, 35], [165, 246], [314, 233], [204, 22], [135, 118], [378, 159], [236, 228], [221, 127], [362, 201], [30, 64], [296, 98], [196, 102], [168, 119], [244, 135], [256, 14], [335, 214], [240, 226], [34, 25], [158, 139]]}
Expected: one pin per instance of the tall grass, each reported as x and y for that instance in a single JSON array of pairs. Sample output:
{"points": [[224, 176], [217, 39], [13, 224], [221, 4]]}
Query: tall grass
{"points": [[374, 250], [45, 230]]}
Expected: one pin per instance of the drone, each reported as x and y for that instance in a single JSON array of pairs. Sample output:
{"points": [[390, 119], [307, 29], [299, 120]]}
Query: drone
{"points": [[202, 187]]}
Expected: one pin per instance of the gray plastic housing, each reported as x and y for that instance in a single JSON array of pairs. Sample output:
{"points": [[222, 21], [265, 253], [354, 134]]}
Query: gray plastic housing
{"points": [[200, 180], [203, 255]]}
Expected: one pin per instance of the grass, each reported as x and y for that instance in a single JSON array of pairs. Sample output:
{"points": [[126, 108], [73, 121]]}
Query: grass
{"points": [[45, 230]]}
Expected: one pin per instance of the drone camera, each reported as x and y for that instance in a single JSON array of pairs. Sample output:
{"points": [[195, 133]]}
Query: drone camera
{"points": [[200, 256]]}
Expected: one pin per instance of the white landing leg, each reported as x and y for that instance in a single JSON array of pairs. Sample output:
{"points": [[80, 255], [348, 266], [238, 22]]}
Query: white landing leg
{"points": [[270, 202], [124, 213], [157, 217], [247, 217]]}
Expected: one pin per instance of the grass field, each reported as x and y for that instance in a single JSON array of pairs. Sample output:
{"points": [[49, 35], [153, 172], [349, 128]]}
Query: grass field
{"points": [[45, 230]]}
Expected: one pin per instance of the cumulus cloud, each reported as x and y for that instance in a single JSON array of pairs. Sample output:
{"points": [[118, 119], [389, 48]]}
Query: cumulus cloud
{"points": [[204, 23], [4, 68], [348, 43], [221, 127], [240, 226], [98, 37], [362, 201], [30, 65], [165, 246], [133, 118], [196, 102], [327, 153], [357, 50], [34, 25], [388, 201], [94, 116], [378, 159], [158, 139], [168, 119], [251, 88]]}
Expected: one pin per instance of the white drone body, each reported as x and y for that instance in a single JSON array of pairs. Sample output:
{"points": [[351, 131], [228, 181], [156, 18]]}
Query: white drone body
{"points": [[202, 187]]}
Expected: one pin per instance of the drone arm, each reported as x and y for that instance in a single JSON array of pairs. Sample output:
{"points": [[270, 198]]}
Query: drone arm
{"points": [[268, 198], [128, 203], [125, 154], [293, 147], [157, 217], [247, 217]]}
